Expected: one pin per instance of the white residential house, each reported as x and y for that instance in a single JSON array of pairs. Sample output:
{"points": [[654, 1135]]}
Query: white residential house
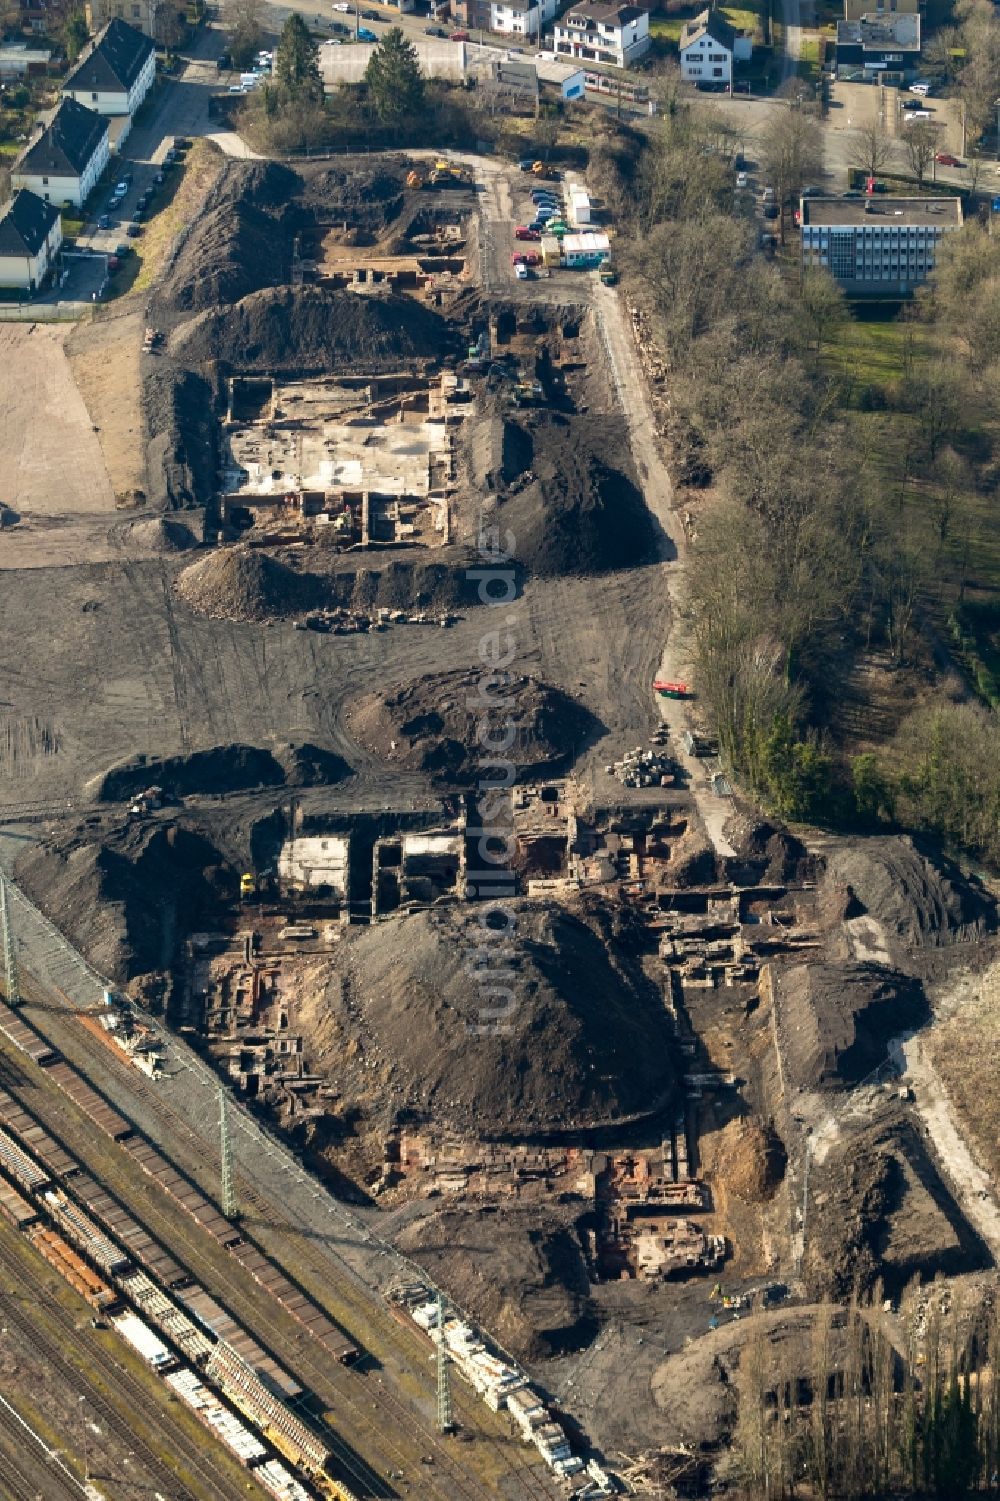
{"points": [[617, 35], [523, 17], [30, 237], [116, 73], [64, 163], [519, 18], [709, 47]]}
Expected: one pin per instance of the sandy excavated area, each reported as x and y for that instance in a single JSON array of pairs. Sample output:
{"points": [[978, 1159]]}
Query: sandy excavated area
{"points": [[50, 457]]}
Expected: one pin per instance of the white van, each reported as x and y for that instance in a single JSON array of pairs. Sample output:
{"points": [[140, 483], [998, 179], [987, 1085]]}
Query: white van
{"points": [[249, 80]]}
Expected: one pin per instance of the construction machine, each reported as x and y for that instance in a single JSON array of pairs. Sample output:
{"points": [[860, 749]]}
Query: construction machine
{"points": [[448, 174], [248, 885], [548, 174], [414, 179]]}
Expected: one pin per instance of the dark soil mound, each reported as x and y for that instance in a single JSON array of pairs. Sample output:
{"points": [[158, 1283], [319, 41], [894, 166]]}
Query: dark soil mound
{"points": [[312, 766], [181, 437], [881, 1212], [238, 583], [766, 852], [836, 1020], [522, 1276], [158, 534], [569, 1034], [438, 724], [311, 330], [128, 900], [581, 510], [237, 245], [921, 899], [226, 768], [403, 585]]}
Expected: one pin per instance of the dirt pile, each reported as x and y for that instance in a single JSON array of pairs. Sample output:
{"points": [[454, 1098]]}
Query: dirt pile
{"points": [[239, 244], [836, 1020], [766, 852], [224, 768], [127, 899], [180, 437], [238, 583], [402, 585], [158, 535], [369, 194], [920, 898], [440, 723], [750, 1159], [568, 1034], [579, 509], [522, 1276], [879, 1209], [309, 331]]}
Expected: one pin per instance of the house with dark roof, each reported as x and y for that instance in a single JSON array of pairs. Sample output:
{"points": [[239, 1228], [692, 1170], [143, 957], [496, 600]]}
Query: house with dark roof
{"points": [[30, 237], [709, 47], [518, 18], [63, 164], [599, 33], [116, 73]]}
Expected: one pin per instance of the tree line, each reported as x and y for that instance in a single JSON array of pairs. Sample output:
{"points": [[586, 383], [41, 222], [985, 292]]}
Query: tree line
{"points": [[844, 513], [862, 1402]]}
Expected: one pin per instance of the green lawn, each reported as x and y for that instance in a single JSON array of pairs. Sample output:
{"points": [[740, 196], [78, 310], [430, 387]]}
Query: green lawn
{"points": [[878, 354], [669, 27]]}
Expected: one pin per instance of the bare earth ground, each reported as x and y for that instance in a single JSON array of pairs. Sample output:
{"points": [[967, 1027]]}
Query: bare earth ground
{"points": [[954, 1071], [52, 469], [130, 669], [105, 358]]}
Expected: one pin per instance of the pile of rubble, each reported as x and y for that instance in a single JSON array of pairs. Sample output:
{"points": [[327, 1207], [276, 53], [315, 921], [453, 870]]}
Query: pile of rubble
{"points": [[343, 622], [645, 768]]}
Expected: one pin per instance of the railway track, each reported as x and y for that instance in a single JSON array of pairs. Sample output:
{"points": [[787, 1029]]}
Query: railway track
{"points": [[375, 1414], [365, 1308], [213, 1484], [26, 1474]]}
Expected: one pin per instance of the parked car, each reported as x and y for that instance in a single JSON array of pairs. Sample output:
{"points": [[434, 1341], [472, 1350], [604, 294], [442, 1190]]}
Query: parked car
{"points": [[103, 221], [365, 34], [945, 159], [121, 189], [236, 88], [159, 178], [768, 195], [223, 62], [518, 257], [122, 249], [521, 272], [182, 143], [920, 88], [742, 180], [525, 232], [459, 36], [526, 163], [812, 192], [435, 31], [912, 112], [343, 6], [370, 15], [532, 258], [133, 231], [770, 211]]}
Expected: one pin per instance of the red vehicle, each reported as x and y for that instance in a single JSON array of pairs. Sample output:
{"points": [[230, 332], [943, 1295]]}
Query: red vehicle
{"points": [[459, 36], [671, 690], [519, 258], [522, 232], [532, 258], [945, 159]]}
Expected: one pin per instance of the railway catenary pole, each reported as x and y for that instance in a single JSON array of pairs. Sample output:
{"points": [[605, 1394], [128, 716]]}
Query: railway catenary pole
{"points": [[445, 1416], [9, 958], [228, 1195]]}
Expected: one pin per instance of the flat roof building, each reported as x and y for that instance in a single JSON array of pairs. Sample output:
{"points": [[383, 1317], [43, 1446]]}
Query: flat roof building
{"points": [[876, 247]]}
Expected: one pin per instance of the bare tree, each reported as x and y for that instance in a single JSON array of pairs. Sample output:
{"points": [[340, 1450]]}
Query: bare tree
{"points": [[791, 152], [823, 304], [243, 20], [872, 148], [920, 143]]}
